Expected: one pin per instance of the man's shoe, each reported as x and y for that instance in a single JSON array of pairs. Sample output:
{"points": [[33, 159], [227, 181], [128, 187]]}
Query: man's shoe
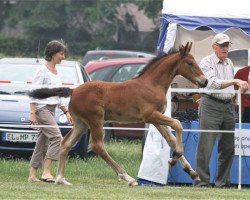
{"points": [[223, 186], [199, 183]]}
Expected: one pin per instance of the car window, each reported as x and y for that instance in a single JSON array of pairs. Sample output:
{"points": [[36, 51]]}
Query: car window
{"points": [[127, 72], [101, 74], [20, 72], [104, 55], [84, 74], [25, 73], [68, 74], [239, 57]]}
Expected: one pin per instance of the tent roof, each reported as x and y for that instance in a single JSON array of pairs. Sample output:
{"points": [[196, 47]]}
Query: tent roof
{"points": [[217, 15]]}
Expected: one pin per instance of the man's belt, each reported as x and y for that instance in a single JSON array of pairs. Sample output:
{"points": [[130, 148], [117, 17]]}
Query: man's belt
{"points": [[226, 101]]}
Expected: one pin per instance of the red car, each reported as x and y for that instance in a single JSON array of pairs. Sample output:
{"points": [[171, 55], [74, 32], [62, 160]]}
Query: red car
{"points": [[118, 70]]}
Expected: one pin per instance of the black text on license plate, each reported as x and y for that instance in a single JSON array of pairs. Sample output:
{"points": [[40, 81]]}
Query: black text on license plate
{"points": [[19, 137]]}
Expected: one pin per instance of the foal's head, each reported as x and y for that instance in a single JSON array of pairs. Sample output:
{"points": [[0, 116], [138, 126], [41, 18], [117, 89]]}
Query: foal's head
{"points": [[188, 68]]}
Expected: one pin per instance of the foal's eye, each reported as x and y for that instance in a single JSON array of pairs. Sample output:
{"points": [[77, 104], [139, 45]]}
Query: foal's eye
{"points": [[190, 63]]}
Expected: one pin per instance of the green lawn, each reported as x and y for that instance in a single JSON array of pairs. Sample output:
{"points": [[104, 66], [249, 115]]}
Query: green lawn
{"points": [[93, 179]]}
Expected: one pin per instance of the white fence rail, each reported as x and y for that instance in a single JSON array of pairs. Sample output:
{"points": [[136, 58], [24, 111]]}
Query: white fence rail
{"points": [[171, 90]]}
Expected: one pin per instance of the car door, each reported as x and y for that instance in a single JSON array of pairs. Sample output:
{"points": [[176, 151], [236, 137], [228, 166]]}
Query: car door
{"points": [[123, 73]]}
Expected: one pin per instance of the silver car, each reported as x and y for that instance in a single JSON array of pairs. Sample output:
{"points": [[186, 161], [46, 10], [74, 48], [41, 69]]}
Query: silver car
{"points": [[16, 136]]}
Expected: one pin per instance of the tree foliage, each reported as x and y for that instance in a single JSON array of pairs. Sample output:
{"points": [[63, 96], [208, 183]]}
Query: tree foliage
{"points": [[83, 24], [152, 8]]}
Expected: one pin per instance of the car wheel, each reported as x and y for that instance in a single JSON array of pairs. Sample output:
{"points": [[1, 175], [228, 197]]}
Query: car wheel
{"points": [[107, 133], [84, 145]]}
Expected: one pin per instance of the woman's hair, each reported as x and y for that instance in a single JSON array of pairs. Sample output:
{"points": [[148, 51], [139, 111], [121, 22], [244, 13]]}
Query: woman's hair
{"points": [[54, 47]]}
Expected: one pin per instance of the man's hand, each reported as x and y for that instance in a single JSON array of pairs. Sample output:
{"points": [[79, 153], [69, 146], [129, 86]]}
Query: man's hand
{"points": [[243, 85]]}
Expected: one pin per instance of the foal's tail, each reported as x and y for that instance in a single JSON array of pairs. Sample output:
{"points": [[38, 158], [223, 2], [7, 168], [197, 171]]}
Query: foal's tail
{"points": [[43, 93]]}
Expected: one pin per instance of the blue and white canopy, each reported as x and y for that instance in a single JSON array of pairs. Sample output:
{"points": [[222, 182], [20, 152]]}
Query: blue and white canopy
{"points": [[216, 15], [195, 21]]}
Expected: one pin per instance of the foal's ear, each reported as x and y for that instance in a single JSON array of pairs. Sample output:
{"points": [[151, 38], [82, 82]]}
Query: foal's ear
{"points": [[184, 51]]}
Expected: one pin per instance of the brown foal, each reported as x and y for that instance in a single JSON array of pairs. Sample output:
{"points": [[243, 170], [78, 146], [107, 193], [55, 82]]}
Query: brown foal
{"points": [[141, 99]]}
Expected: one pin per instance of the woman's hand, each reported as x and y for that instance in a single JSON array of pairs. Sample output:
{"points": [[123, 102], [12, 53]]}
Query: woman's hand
{"points": [[32, 118], [69, 118]]}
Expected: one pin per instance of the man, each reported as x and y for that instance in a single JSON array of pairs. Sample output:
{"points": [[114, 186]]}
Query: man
{"points": [[243, 74], [216, 112]]}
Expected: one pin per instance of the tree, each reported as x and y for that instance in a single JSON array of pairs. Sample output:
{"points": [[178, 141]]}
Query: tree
{"points": [[152, 8], [83, 24], [4, 11]]}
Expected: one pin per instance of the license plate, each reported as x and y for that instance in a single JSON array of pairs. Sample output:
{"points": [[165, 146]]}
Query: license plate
{"points": [[19, 137]]}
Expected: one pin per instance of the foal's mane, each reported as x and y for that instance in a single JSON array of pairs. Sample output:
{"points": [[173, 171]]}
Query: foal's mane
{"points": [[154, 60]]}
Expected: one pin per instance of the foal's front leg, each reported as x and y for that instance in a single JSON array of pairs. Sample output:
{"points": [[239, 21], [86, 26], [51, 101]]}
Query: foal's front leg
{"points": [[161, 121], [171, 140], [158, 119]]}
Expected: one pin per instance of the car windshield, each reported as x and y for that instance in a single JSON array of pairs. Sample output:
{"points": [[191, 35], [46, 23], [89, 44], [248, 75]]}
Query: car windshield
{"points": [[24, 73], [101, 74], [127, 72], [111, 73], [239, 57]]}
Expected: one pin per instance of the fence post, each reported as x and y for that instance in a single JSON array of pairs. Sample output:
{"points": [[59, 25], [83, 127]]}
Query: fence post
{"points": [[240, 139]]}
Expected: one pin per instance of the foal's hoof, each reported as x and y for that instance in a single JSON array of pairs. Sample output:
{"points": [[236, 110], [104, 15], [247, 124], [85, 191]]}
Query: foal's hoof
{"points": [[194, 175], [134, 183], [171, 162], [131, 181], [62, 181]]}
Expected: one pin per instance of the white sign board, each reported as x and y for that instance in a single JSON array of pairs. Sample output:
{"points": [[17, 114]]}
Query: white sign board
{"points": [[154, 166], [244, 141]]}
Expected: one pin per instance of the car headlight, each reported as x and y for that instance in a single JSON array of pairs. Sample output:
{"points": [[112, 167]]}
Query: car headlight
{"points": [[63, 119]]}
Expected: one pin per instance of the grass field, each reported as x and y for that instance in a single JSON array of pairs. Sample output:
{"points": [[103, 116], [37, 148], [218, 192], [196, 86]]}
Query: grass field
{"points": [[93, 179]]}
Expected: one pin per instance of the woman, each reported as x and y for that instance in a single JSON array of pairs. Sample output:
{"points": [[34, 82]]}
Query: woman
{"points": [[43, 112]]}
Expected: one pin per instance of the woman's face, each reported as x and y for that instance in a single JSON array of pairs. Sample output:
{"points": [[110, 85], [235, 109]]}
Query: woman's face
{"points": [[58, 57]]}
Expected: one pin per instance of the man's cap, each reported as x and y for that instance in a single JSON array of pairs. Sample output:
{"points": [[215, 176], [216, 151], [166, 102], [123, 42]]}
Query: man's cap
{"points": [[221, 38]]}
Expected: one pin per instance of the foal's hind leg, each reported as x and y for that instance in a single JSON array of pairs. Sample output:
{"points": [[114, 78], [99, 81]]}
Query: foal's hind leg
{"points": [[72, 136], [99, 148], [171, 140]]}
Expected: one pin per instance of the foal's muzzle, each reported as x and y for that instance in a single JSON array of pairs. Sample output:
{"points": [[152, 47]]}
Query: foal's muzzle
{"points": [[202, 81]]}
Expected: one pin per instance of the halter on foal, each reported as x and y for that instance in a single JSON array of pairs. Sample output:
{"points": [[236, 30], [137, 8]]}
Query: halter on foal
{"points": [[141, 99]]}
